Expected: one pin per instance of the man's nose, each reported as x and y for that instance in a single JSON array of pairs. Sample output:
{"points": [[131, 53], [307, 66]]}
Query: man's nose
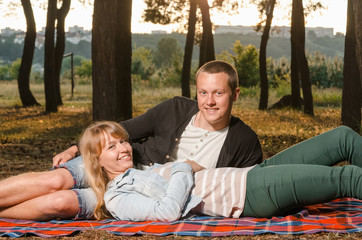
{"points": [[210, 99]]}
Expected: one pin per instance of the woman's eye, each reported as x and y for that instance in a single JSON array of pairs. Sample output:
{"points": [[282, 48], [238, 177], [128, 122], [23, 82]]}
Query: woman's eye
{"points": [[123, 142]]}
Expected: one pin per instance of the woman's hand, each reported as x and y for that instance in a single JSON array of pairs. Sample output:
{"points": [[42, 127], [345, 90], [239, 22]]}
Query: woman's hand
{"points": [[65, 156], [195, 167]]}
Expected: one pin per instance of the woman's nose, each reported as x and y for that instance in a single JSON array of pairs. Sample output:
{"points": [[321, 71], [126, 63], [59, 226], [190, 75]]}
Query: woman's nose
{"points": [[122, 147]]}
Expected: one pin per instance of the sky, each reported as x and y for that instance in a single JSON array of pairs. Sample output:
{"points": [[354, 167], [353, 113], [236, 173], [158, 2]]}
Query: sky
{"points": [[333, 16]]}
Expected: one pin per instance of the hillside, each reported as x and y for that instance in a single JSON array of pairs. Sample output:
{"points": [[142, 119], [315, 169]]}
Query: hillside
{"points": [[277, 47]]}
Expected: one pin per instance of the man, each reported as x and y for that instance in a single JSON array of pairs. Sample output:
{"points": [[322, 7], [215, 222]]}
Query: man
{"points": [[175, 130]]}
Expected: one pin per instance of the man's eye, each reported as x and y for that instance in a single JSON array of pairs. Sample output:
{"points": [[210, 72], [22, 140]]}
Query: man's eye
{"points": [[123, 142], [110, 146]]}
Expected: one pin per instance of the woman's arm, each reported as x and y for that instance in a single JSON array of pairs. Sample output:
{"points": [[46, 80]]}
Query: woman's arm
{"points": [[134, 206]]}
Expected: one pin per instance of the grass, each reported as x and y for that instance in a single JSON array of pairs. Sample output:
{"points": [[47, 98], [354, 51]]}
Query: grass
{"points": [[29, 138]]}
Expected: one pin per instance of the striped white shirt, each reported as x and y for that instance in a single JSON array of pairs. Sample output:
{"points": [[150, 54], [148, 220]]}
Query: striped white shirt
{"points": [[223, 190]]}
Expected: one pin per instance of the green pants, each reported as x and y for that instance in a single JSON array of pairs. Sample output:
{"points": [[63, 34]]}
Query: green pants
{"points": [[304, 174]]}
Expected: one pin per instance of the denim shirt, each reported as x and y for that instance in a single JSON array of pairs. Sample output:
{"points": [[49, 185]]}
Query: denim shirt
{"points": [[140, 195]]}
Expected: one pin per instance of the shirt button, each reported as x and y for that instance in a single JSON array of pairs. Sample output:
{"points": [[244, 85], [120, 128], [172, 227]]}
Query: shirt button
{"points": [[167, 156], [151, 164], [176, 139]]}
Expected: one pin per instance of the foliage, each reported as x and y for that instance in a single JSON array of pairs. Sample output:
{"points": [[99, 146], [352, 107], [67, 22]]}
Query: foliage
{"points": [[245, 60], [85, 69], [4, 72], [325, 72], [36, 77], [66, 63], [14, 69], [278, 71], [167, 50], [142, 62]]}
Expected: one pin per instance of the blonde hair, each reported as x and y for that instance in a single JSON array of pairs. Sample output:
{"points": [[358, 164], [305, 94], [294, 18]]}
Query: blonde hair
{"points": [[91, 144], [218, 66]]}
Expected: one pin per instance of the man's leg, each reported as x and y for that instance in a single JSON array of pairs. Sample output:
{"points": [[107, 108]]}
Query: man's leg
{"points": [[58, 205], [26, 186], [277, 190], [326, 149]]}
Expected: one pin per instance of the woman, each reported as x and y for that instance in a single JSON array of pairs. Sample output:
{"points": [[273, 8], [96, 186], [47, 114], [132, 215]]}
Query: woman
{"points": [[298, 176]]}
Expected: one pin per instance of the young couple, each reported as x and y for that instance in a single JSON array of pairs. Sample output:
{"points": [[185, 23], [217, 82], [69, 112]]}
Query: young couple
{"points": [[193, 135]]}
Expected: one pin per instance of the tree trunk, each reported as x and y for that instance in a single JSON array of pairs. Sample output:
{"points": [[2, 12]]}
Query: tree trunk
{"points": [[352, 92], [207, 51], [111, 60], [60, 46], [264, 85], [357, 10], [186, 69], [302, 59], [49, 60], [294, 65], [27, 98]]}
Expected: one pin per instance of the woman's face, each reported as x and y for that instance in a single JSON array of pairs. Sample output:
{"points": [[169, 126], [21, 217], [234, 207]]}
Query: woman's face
{"points": [[116, 156]]}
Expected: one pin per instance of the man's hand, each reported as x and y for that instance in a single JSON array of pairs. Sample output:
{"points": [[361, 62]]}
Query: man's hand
{"points": [[195, 167], [65, 156]]}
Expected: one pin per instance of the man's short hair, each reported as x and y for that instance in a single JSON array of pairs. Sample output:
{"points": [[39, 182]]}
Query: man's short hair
{"points": [[218, 66]]}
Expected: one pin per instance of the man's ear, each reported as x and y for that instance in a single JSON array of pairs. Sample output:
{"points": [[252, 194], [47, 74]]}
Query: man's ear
{"points": [[236, 94]]}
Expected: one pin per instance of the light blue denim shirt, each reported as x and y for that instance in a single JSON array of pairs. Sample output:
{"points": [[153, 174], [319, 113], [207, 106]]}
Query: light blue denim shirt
{"points": [[140, 195]]}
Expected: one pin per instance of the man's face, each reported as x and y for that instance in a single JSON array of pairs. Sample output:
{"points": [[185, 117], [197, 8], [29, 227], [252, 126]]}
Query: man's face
{"points": [[215, 101]]}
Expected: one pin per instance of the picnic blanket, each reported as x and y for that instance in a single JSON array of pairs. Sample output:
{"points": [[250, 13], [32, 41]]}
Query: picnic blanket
{"points": [[341, 215]]}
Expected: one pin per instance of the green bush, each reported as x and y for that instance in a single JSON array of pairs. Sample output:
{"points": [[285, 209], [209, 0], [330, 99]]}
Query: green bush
{"points": [[14, 69], [5, 72], [325, 72], [142, 62], [245, 60]]}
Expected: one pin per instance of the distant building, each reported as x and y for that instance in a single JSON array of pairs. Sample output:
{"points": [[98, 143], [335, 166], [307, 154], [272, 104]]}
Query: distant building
{"points": [[239, 29], [158, 32], [276, 31], [19, 39], [76, 29], [320, 31], [9, 31]]}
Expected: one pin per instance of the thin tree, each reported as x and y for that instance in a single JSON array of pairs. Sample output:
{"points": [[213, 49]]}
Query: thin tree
{"points": [[357, 10], [266, 6], [299, 63], [207, 50], [352, 91], [111, 60], [62, 12], [26, 96], [190, 38], [51, 104]]}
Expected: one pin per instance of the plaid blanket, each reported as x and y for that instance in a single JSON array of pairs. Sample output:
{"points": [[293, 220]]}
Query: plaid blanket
{"points": [[342, 216]]}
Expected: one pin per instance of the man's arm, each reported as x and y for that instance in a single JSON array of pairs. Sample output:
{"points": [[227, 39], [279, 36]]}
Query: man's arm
{"points": [[65, 156]]}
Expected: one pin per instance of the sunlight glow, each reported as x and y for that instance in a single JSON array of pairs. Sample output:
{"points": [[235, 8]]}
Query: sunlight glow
{"points": [[333, 16]]}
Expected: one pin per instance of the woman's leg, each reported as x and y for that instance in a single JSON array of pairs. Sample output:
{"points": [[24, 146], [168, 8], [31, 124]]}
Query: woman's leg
{"points": [[58, 205], [327, 149], [276, 190], [23, 187]]}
